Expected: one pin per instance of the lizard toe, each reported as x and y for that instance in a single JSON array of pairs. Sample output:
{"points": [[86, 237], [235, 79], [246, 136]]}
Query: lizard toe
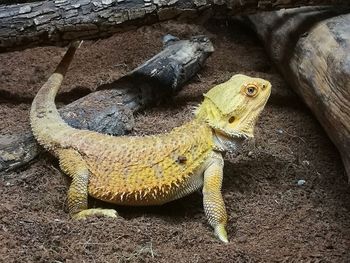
{"points": [[95, 212], [221, 233]]}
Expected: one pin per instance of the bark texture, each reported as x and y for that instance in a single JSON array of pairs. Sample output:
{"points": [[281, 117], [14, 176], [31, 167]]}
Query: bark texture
{"points": [[57, 22], [311, 47], [110, 109]]}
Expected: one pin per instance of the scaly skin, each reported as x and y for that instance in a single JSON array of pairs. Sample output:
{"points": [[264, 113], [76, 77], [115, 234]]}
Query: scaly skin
{"points": [[151, 170]]}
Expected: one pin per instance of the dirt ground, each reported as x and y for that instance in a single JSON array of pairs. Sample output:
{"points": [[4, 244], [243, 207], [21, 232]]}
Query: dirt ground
{"points": [[271, 218]]}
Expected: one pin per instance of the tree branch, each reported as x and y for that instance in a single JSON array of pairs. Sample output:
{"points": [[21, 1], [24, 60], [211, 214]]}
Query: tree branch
{"points": [[311, 47], [57, 22]]}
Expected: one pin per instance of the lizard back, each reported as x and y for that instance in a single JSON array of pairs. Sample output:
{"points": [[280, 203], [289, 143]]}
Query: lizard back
{"points": [[144, 170]]}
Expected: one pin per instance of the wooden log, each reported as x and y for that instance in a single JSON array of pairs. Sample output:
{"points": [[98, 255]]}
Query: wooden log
{"points": [[311, 47], [57, 22], [110, 109]]}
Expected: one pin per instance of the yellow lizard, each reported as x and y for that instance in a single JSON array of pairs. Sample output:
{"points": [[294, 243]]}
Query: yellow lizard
{"points": [[151, 170]]}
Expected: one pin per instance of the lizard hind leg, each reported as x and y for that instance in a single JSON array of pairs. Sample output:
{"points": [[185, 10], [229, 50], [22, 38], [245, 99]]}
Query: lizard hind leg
{"points": [[74, 166]]}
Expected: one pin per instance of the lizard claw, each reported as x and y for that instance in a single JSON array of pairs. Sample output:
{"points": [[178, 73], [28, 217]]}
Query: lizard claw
{"points": [[95, 211], [220, 232]]}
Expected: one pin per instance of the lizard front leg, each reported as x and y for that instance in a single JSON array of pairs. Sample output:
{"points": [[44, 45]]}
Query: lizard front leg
{"points": [[213, 202], [74, 165]]}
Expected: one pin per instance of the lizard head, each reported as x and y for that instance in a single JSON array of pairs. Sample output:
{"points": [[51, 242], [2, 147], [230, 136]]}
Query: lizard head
{"points": [[232, 108]]}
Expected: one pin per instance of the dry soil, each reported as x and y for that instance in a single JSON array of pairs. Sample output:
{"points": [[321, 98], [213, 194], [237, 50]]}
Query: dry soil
{"points": [[271, 218]]}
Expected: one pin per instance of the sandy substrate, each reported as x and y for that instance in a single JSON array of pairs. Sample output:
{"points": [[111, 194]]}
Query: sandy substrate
{"points": [[271, 218]]}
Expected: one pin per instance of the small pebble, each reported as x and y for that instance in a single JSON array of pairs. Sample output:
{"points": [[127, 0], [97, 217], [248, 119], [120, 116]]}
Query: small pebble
{"points": [[280, 131], [301, 182], [250, 154]]}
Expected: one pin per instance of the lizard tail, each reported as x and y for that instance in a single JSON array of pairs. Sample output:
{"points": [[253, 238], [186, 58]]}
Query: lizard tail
{"points": [[47, 125]]}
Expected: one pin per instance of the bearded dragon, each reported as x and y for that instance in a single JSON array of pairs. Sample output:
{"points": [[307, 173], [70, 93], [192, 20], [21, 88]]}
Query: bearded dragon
{"points": [[151, 170]]}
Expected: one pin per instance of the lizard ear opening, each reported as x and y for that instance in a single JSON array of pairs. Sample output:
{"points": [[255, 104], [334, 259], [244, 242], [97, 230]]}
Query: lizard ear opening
{"points": [[231, 119]]}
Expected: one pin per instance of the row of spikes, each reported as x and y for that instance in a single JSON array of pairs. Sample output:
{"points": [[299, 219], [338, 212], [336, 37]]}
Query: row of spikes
{"points": [[155, 192]]}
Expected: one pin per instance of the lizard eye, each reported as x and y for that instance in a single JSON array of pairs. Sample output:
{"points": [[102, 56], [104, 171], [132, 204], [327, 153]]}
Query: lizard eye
{"points": [[251, 90]]}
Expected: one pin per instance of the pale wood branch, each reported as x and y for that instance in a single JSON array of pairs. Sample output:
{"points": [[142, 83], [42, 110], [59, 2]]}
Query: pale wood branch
{"points": [[311, 47]]}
